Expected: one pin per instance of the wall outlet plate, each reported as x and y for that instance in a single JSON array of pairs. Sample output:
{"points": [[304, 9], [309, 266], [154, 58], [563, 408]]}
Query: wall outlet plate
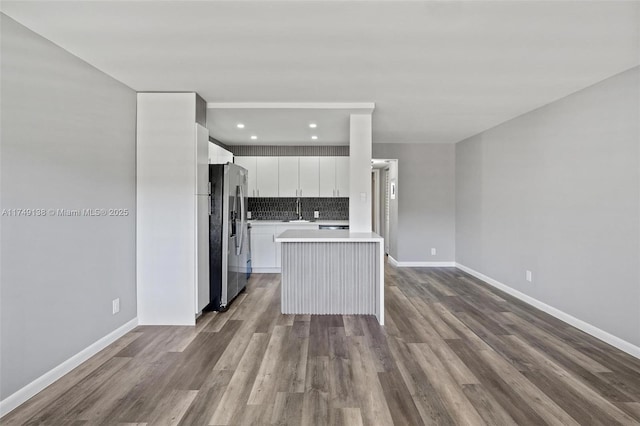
{"points": [[316, 214], [248, 215], [433, 252], [115, 306], [529, 276]]}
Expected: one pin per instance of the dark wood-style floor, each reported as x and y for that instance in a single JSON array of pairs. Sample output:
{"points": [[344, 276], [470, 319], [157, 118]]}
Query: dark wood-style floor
{"points": [[454, 351]]}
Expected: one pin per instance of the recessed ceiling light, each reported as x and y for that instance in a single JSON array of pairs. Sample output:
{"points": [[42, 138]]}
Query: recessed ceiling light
{"points": [[240, 126], [254, 137], [314, 137], [313, 125]]}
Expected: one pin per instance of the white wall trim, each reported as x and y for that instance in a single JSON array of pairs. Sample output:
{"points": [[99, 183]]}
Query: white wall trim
{"points": [[22, 395], [400, 264], [594, 331], [367, 106]]}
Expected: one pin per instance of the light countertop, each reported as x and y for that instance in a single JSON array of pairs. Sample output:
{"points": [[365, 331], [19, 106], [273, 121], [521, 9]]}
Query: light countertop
{"points": [[326, 236], [280, 222]]}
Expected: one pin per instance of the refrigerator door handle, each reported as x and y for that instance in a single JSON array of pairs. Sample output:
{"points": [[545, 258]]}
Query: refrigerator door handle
{"points": [[242, 221]]}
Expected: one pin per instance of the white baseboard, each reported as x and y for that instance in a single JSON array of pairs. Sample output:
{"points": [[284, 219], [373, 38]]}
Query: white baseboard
{"points": [[594, 331], [22, 395], [399, 264]]}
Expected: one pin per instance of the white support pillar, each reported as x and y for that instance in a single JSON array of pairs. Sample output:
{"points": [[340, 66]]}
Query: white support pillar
{"points": [[360, 173]]}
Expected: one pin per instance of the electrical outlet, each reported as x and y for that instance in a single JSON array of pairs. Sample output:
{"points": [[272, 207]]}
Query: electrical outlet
{"points": [[433, 252], [115, 305], [316, 214], [529, 276], [248, 215]]}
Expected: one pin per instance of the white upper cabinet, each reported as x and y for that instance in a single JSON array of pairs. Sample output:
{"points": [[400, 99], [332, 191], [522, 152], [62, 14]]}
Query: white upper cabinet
{"points": [[262, 177], [297, 176], [288, 177], [327, 176], [219, 155], [267, 176], [342, 176], [249, 163], [334, 176], [309, 176]]}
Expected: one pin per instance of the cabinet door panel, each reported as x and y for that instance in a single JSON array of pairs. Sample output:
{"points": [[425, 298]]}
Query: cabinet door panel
{"points": [[327, 176], [267, 176], [263, 251], [288, 176], [309, 176], [249, 163], [342, 176]]}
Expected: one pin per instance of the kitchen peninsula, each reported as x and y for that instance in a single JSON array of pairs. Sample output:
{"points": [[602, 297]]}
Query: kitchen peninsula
{"points": [[332, 272]]}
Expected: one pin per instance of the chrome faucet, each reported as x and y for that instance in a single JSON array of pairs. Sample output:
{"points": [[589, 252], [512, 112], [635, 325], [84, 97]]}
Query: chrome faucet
{"points": [[298, 209]]}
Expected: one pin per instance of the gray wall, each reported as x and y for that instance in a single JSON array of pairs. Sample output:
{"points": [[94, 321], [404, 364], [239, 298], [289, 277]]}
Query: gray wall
{"points": [[426, 200], [557, 191], [68, 141]]}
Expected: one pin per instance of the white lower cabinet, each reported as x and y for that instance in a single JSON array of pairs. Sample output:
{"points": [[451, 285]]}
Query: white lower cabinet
{"points": [[265, 252], [263, 248]]}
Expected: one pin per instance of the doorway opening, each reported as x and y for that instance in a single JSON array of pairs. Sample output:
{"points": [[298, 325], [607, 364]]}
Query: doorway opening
{"points": [[384, 202]]}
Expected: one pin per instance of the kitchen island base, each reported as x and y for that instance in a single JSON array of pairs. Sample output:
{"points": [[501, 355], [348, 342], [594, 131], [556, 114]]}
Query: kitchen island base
{"points": [[332, 273]]}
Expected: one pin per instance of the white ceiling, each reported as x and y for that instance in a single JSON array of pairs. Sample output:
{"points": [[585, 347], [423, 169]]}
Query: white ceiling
{"points": [[438, 71], [282, 124]]}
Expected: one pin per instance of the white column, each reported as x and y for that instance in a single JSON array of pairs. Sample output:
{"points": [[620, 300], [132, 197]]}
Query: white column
{"points": [[166, 208], [360, 173]]}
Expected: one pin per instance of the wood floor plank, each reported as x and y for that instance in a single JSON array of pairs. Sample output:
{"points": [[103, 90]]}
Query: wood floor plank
{"points": [[374, 408], [429, 403], [207, 399], [237, 392], [70, 381], [501, 391], [444, 383], [287, 409], [567, 384], [544, 406], [86, 393], [173, 408], [550, 341], [631, 408], [453, 351], [265, 385], [486, 405], [348, 417], [402, 408], [315, 406]]}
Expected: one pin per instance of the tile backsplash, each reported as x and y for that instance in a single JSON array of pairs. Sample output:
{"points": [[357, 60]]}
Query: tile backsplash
{"points": [[285, 208]]}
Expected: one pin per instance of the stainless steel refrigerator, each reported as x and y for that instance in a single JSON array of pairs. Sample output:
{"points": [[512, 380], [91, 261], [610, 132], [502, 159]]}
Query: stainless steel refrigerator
{"points": [[229, 244]]}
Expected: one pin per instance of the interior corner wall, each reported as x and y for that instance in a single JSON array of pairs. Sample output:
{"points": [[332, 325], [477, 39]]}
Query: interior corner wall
{"points": [[67, 142], [425, 200], [557, 191], [360, 173]]}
